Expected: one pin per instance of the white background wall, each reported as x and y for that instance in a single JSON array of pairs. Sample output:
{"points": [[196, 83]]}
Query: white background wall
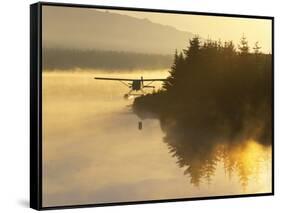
{"points": [[14, 105]]}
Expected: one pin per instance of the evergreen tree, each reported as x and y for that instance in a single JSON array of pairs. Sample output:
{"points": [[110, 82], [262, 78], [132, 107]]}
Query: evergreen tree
{"points": [[256, 48], [194, 47], [243, 46], [229, 49], [172, 78]]}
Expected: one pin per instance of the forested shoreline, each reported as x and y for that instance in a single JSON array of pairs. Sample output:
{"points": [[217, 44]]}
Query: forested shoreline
{"points": [[215, 91]]}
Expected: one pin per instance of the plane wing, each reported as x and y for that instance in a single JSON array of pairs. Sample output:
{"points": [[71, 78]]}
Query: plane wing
{"points": [[127, 79], [115, 79], [156, 79]]}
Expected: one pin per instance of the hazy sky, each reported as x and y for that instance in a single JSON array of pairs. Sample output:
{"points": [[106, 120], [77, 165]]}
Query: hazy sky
{"points": [[224, 28]]}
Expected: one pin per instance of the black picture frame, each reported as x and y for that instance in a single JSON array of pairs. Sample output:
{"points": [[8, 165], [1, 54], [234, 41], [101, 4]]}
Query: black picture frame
{"points": [[36, 104]]}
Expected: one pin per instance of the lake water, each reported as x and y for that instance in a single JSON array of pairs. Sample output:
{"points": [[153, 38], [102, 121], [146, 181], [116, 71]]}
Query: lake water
{"points": [[94, 152]]}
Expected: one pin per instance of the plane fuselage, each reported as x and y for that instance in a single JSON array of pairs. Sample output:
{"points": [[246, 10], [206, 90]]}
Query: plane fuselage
{"points": [[136, 85]]}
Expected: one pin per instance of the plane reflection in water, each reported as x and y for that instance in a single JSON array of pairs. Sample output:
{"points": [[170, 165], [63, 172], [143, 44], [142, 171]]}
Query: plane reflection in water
{"points": [[134, 84]]}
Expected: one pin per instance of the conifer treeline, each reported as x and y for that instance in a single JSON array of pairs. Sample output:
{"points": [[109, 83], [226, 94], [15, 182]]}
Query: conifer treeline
{"points": [[216, 90]]}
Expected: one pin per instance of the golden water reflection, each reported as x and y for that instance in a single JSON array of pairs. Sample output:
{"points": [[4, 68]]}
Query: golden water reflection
{"points": [[249, 160]]}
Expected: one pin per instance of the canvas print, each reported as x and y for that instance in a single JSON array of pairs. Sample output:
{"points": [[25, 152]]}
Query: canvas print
{"points": [[147, 105]]}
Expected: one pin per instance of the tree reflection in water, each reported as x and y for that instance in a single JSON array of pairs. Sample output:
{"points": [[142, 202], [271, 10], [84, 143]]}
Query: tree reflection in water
{"points": [[200, 158]]}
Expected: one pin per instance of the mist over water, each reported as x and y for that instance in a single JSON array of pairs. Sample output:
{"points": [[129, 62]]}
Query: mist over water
{"points": [[93, 151]]}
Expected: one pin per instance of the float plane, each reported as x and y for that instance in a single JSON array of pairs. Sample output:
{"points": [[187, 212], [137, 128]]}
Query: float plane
{"points": [[134, 84]]}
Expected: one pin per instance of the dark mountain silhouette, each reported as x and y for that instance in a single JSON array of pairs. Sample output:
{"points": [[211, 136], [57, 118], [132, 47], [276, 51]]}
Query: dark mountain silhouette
{"points": [[74, 28]]}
